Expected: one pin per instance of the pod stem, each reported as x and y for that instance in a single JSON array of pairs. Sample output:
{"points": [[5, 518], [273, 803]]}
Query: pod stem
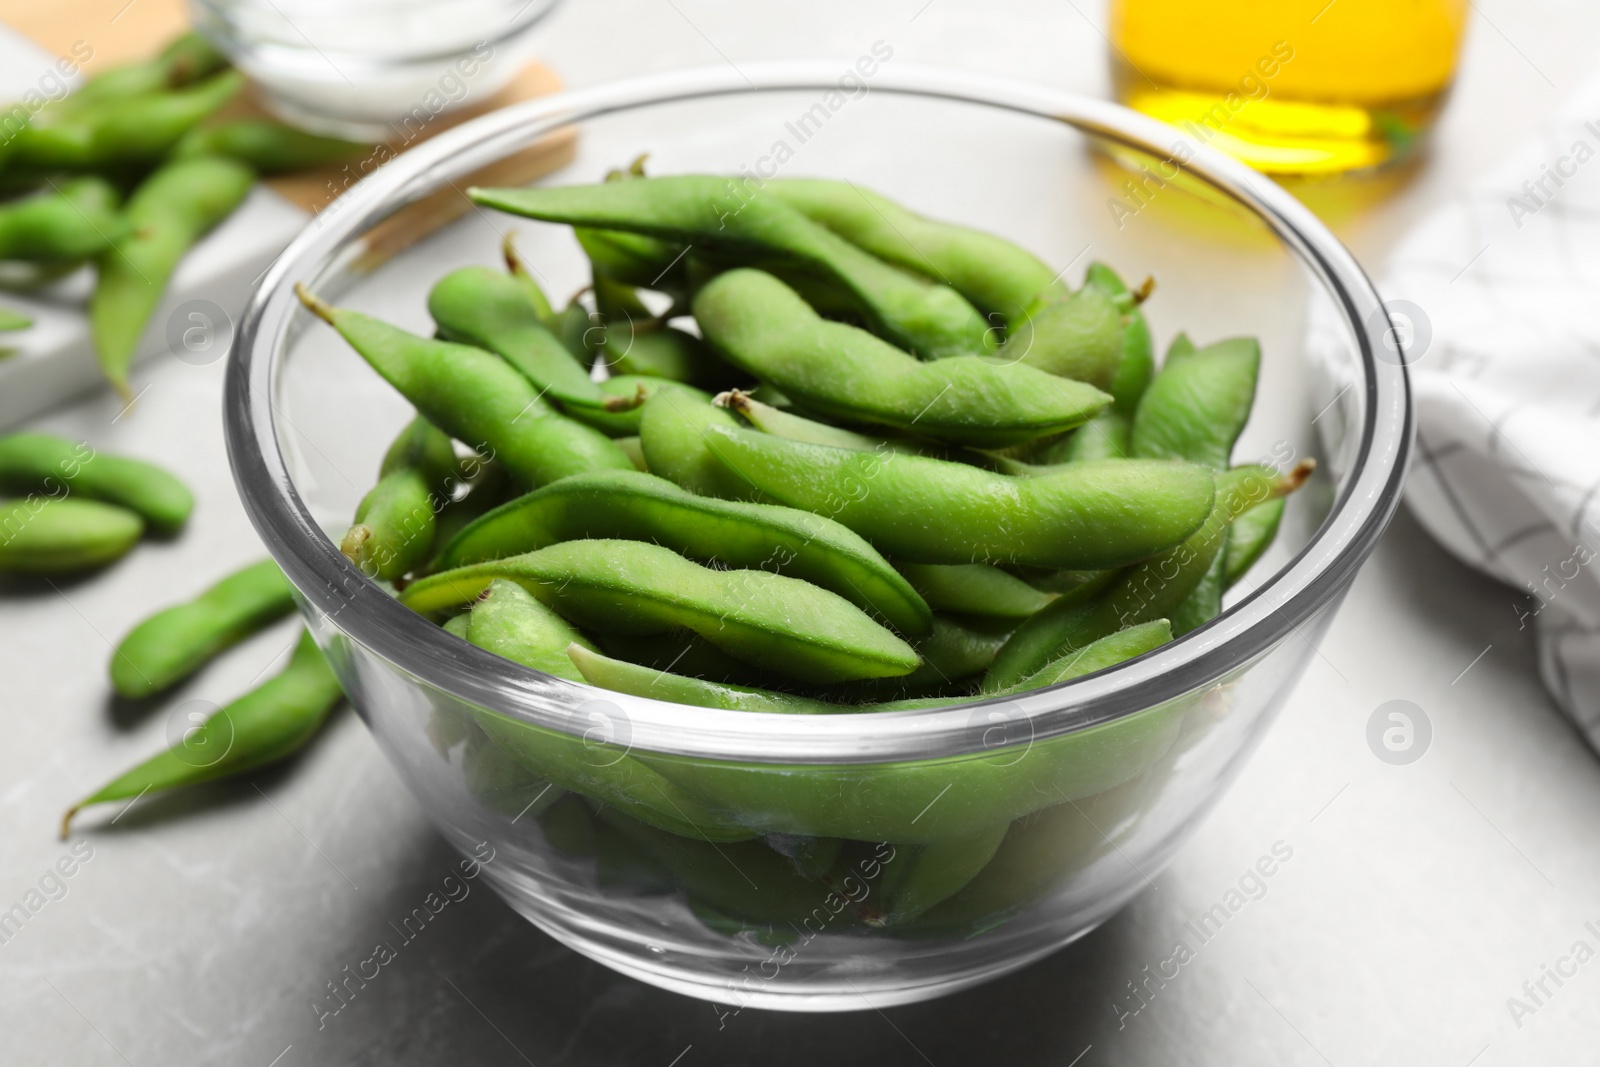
{"points": [[1146, 287], [314, 304], [66, 820]]}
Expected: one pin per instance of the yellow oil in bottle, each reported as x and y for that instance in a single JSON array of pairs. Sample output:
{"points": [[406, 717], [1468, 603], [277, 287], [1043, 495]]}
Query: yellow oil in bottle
{"points": [[1290, 86]]}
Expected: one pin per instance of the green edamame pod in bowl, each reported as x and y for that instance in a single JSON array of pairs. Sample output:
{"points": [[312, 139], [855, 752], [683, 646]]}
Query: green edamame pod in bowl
{"points": [[475, 397], [735, 217], [643, 507], [762, 326], [175, 642], [396, 522], [37, 462]]}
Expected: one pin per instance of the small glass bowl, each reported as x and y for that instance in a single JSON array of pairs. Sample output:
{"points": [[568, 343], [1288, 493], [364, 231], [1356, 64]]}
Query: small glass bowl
{"points": [[372, 70], [745, 858]]}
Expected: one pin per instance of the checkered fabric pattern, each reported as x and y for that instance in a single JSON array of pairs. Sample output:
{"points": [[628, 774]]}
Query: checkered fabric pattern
{"points": [[1500, 291]]}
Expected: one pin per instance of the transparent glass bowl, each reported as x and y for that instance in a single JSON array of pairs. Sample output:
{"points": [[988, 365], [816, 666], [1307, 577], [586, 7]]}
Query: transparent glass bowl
{"points": [[689, 877]]}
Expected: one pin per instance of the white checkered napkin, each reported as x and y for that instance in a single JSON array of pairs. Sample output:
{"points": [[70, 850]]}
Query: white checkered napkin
{"points": [[1502, 287]]}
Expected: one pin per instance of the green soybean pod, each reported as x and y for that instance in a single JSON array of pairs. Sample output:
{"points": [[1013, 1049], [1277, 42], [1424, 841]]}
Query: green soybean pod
{"points": [[1150, 590], [186, 59], [173, 643], [475, 397], [974, 589], [509, 621], [1087, 516], [781, 423], [45, 535], [992, 272], [922, 876], [1250, 536], [491, 310], [1197, 407], [13, 320], [1109, 435], [673, 426], [736, 219], [1076, 335], [167, 214], [643, 507], [763, 326], [268, 147], [1136, 364], [37, 462], [624, 677], [396, 522], [267, 724], [779, 623], [137, 130], [66, 224]]}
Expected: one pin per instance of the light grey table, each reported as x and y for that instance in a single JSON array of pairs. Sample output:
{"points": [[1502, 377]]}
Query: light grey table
{"points": [[1417, 900]]}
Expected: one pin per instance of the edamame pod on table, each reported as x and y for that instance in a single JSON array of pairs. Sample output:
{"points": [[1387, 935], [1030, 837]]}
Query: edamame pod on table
{"points": [[396, 522], [43, 463], [185, 60], [171, 210], [175, 642], [475, 397], [267, 724], [64, 224], [122, 131], [49, 535], [776, 622], [268, 147], [763, 326], [643, 507], [13, 320], [737, 219], [992, 272], [1087, 516]]}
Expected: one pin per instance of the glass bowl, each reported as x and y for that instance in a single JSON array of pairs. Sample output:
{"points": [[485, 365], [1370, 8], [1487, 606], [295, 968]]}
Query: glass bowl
{"points": [[743, 858]]}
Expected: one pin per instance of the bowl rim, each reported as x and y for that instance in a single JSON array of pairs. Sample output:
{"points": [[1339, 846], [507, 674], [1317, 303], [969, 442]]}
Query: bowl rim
{"points": [[344, 601]]}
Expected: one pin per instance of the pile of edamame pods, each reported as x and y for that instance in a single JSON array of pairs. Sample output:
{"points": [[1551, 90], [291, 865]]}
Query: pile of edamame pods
{"points": [[854, 460], [127, 173]]}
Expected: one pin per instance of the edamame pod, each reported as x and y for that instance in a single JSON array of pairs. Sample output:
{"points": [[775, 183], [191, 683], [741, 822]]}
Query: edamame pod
{"points": [[653, 351], [925, 875], [37, 462], [974, 589], [1151, 590], [1249, 537], [736, 218], [779, 623], [1196, 408], [483, 307], [121, 131], [46, 535], [1077, 335], [1086, 517], [672, 435], [764, 327], [167, 214], [174, 643], [509, 621], [780, 423], [475, 397], [1109, 435], [993, 273], [265, 725], [396, 523], [64, 225], [13, 320], [185, 60], [1136, 364], [623, 677], [268, 147], [643, 507]]}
